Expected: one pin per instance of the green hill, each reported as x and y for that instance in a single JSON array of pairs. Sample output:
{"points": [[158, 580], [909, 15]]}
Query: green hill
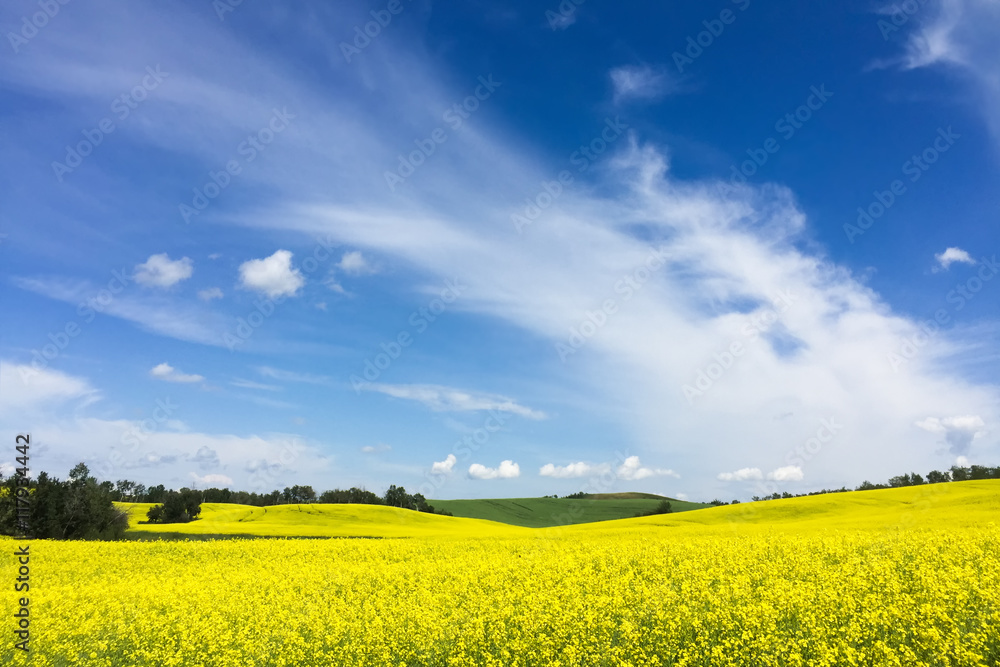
{"points": [[545, 512]]}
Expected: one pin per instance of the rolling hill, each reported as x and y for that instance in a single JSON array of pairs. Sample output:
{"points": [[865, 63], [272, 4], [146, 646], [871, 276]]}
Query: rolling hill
{"points": [[545, 512], [376, 521], [933, 506]]}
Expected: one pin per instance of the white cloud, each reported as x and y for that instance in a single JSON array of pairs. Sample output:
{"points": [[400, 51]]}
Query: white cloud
{"points": [[741, 248], [156, 313], [962, 461], [212, 481], [632, 469], [641, 82], [273, 276], [168, 373], [961, 35], [354, 263], [444, 467], [161, 271], [786, 474], [506, 470], [376, 449], [250, 384], [573, 470], [958, 432], [24, 388], [291, 376], [952, 255], [741, 475], [448, 399], [210, 293], [682, 496]]}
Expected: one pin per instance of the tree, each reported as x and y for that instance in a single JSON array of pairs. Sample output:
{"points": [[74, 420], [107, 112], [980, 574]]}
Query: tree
{"points": [[960, 474], [937, 477], [78, 508], [980, 472], [396, 496], [177, 507]]}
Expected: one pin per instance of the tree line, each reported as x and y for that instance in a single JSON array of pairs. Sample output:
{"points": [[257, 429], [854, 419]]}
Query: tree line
{"points": [[76, 508], [395, 496], [955, 474]]}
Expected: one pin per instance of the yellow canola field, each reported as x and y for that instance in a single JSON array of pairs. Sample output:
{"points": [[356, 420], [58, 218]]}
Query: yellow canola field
{"points": [[787, 582]]}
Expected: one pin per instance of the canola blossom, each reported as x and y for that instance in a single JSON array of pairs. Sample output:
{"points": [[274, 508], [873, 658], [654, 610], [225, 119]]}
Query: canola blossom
{"points": [[658, 591]]}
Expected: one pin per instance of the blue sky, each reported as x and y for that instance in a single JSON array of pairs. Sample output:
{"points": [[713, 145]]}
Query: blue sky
{"points": [[502, 249]]}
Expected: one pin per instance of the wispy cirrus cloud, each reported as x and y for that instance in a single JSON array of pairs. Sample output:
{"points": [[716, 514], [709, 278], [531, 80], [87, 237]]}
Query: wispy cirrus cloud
{"points": [[159, 314], [449, 399]]}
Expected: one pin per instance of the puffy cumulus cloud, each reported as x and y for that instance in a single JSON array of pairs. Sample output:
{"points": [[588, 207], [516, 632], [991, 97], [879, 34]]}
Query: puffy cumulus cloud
{"points": [[446, 466], [506, 470], [212, 480], [274, 276], [26, 388], [632, 469], [786, 474], [161, 271], [355, 264], [641, 82], [958, 432], [574, 470], [448, 399], [741, 475], [168, 373], [210, 294], [952, 255]]}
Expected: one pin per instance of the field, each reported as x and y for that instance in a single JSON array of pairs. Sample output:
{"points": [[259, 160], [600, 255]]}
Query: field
{"points": [[544, 512], [225, 520], [896, 577]]}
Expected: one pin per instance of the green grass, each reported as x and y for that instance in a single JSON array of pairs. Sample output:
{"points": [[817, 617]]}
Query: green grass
{"points": [[546, 512]]}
